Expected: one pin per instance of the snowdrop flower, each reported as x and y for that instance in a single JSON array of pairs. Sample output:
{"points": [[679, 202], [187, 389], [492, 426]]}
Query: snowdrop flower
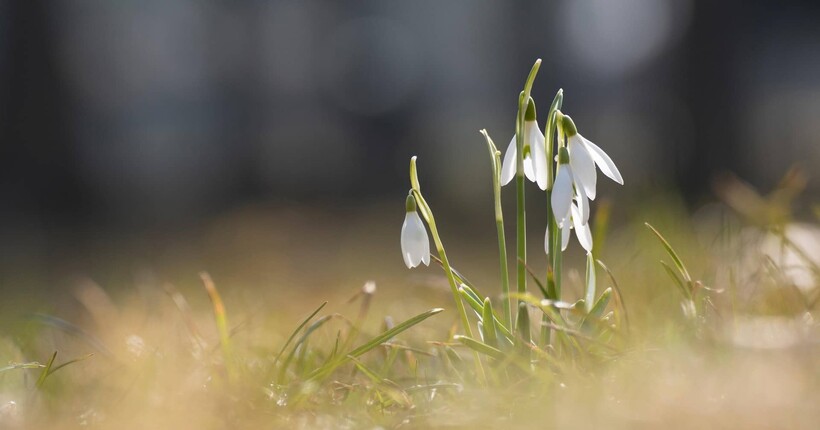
{"points": [[535, 156], [582, 231], [569, 206], [415, 245], [565, 189], [584, 156]]}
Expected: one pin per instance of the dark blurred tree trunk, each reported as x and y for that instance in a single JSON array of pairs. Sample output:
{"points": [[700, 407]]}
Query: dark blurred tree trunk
{"points": [[710, 94], [37, 170]]}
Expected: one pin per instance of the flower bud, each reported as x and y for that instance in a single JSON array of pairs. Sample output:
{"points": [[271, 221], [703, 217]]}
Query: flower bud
{"points": [[529, 115], [410, 203], [563, 156], [569, 126]]}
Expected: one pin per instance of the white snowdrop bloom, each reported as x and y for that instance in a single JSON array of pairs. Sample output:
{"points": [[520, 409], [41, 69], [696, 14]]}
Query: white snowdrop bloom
{"points": [[563, 190], [415, 245], [582, 231], [535, 156], [584, 156]]}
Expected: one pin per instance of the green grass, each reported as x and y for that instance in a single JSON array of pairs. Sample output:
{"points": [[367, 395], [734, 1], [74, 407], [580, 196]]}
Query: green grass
{"points": [[746, 358]]}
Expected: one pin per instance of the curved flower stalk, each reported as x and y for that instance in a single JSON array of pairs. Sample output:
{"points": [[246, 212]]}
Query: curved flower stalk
{"points": [[415, 244], [584, 156], [535, 156]]}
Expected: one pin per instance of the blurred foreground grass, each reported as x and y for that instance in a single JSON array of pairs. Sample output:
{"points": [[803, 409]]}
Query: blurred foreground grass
{"points": [[169, 353]]}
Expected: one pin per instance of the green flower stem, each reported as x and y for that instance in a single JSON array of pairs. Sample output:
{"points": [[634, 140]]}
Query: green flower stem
{"points": [[495, 157], [427, 213], [521, 217], [552, 226]]}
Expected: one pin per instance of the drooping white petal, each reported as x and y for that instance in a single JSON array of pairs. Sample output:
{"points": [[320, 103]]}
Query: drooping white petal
{"points": [[538, 153], [603, 161], [581, 230], [582, 202], [562, 193], [415, 245], [583, 167], [529, 168], [565, 235], [508, 165], [425, 257], [547, 241]]}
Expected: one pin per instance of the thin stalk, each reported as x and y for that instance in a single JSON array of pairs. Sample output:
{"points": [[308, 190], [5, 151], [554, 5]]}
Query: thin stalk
{"points": [[431, 223], [495, 157], [552, 227], [427, 213], [521, 217]]}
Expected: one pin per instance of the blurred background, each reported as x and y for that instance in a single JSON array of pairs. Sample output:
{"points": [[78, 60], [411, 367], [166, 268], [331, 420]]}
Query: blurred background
{"points": [[266, 137]]}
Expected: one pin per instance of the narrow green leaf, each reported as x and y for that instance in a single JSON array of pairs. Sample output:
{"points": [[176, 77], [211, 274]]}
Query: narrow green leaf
{"points": [[589, 294], [523, 323], [286, 363], [72, 361], [29, 365], [295, 332], [598, 309], [677, 280], [474, 302], [46, 369], [480, 347], [671, 251], [618, 296], [384, 337], [373, 343], [489, 326], [535, 278]]}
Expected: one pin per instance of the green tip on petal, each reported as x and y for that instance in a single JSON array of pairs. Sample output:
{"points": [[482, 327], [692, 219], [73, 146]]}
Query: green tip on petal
{"points": [[569, 126], [563, 156], [529, 115], [410, 203]]}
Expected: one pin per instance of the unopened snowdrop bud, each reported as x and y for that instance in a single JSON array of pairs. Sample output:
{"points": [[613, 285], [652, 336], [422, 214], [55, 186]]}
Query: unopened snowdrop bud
{"points": [[569, 126], [415, 245]]}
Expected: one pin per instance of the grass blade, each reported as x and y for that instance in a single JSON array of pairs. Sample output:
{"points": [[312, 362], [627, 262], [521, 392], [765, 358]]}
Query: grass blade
{"points": [[29, 365], [313, 327], [678, 282], [221, 319], [671, 251], [488, 324], [295, 332], [480, 347], [373, 343], [45, 372]]}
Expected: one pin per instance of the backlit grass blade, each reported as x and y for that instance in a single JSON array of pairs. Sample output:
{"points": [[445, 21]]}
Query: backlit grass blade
{"points": [[45, 372], [474, 302], [295, 332], [619, 300], [589, 292], [384, 337], [480, 347], [677, 280], [313, 327], [373, 343], [671, 251], [221, 319], [489, 326], [29, 365], [537, 281], [597, 310]]}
